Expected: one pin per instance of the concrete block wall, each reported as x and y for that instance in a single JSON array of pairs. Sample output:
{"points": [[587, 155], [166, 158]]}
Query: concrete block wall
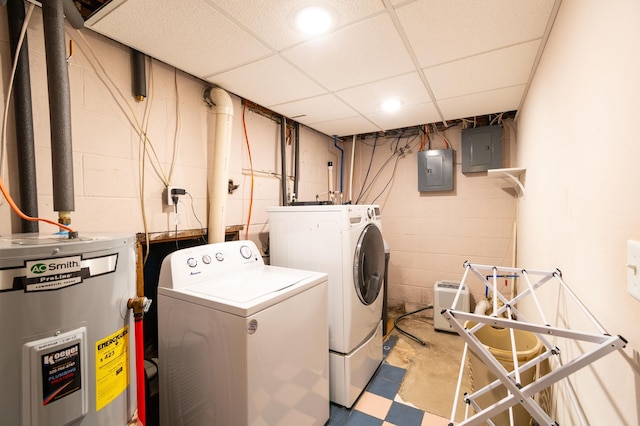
{"points": [[431, 235], [109, 181]]}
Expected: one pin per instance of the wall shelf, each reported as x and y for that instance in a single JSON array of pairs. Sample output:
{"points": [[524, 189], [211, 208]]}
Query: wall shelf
{"points": [[513, 174]]}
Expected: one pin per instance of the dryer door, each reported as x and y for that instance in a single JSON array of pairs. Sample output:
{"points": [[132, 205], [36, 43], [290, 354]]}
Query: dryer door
{"points": [[368, 265]]}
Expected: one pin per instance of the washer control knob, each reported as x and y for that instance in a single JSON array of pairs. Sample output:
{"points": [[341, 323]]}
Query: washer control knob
{"points": [[245, 251], [192, 262], [219, 257], [370, 213], [206, 259]]}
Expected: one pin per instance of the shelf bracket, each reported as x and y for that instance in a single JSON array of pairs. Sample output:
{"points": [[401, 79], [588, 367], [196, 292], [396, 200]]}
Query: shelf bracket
{"points": [[513, 174]]}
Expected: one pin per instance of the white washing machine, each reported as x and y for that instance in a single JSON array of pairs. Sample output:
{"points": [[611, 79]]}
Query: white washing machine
{"points": [[345, 241], [241, 343]]}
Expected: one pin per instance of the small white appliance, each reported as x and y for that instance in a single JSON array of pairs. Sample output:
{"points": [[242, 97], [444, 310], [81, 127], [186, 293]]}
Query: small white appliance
{"points": [[444, 293], [345, 241], [239, 342]]}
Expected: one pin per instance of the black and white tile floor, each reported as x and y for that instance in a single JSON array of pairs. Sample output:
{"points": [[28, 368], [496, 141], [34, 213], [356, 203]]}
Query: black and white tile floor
{"points": [[380, 404]]}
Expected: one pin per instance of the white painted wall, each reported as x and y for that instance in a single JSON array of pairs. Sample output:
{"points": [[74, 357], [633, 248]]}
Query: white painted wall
{"points": [[107, 150], [577, 139]]}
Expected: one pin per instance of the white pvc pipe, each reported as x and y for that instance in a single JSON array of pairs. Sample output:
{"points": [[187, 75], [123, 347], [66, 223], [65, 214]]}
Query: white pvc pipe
{"points": [[482, 307], [330, 172], [218, 173], [353, 154]]}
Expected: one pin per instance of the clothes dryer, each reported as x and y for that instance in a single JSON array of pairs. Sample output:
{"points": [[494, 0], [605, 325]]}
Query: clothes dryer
{"points": [[345, 241], [241, 343]]}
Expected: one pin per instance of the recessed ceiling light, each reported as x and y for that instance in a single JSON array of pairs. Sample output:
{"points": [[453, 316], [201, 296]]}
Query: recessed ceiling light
{"points": [[391, 105], [314, 20]]}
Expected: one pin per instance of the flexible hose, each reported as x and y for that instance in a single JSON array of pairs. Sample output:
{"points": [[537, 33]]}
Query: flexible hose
{"points": [[406, 333]]}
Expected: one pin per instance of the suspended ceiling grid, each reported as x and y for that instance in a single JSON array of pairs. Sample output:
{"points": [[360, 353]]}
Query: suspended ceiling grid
{"points": [[443, 59]]}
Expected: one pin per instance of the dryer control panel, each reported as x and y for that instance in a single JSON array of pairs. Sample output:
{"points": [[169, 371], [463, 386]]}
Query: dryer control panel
{"points": [[195, 264]]}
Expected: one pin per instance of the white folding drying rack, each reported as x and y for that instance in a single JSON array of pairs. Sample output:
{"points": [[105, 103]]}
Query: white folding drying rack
{"points": [[602, 344]]}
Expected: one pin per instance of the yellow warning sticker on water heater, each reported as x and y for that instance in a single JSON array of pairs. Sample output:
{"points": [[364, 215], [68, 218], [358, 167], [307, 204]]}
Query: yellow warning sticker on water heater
{"points": [[112, 367]]}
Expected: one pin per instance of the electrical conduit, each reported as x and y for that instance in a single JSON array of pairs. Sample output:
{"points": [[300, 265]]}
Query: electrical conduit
{"points": [[218, 175]]}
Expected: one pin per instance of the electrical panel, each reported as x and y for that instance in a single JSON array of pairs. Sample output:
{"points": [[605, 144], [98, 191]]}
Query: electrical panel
{"points": [[435, 170], [481, 149]]}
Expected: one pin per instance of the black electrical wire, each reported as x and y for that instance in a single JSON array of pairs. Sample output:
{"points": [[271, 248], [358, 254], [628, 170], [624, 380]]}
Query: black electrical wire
{"points": [[196, 216], [397, 153], [393, 175], [406, 333], [375, 143], [175, 205]]}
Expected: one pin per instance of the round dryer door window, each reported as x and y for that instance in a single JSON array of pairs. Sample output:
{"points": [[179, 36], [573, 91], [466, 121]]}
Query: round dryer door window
{"points": [[368, 267]]}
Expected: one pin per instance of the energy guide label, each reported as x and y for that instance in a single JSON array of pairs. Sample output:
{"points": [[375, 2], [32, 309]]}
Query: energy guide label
{"points": [[112, 367]]}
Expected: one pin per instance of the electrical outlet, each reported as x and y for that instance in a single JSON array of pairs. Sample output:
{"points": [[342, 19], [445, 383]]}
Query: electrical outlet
{"points": [[633, 268], [166, 196]]}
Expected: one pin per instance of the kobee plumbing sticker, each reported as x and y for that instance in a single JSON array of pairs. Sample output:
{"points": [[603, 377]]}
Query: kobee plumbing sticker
{"points": [[52, 274], [112, 367], [61, 373]]}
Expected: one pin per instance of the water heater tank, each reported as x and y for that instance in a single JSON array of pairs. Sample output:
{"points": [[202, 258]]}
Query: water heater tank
{"points": [[67, 340]]}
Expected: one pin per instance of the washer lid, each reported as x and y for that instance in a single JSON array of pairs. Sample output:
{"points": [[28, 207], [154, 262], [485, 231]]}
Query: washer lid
{"points": [[247, 292]]}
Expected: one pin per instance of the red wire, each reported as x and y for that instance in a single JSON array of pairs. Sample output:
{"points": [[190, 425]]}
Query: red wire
{"points": [[246, 138]]}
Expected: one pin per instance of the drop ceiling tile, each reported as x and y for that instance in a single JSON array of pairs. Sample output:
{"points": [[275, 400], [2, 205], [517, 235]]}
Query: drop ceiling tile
{"points": [[367, 98], [493, 101], [500, 68], [268, 82], [409, 116], [443, 30], [346, 126], [199, 43], [274, 21], [367, 51], [316, 109]]}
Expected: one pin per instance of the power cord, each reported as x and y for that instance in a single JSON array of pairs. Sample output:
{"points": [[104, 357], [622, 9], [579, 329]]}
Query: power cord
{"points": [[406, 333], [175, 196]]}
